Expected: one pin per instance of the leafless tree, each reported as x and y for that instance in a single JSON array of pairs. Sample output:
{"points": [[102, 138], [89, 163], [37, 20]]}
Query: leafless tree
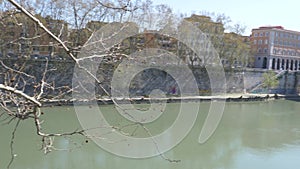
{"points": [[22, 93]]}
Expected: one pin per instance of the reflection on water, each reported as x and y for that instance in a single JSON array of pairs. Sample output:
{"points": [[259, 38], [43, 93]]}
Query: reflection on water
{"points": [[258, 135]]}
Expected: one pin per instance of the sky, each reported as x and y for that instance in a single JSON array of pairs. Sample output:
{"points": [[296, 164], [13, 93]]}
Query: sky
{"points": [[251, 13]]}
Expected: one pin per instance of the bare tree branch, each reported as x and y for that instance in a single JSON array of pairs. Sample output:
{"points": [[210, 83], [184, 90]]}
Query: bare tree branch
{"points": [[17, 71], [18, 6], [124, 8], [21, 93], [12, 153], [36, 101]]}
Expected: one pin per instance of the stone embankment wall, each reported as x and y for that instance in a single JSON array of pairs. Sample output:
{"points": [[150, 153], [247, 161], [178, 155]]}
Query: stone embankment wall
{"points": [[59, 73], [289, 82], [237, 81]]}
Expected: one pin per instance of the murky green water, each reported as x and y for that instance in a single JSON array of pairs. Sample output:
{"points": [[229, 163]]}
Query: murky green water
{"points": [[254, 135]]}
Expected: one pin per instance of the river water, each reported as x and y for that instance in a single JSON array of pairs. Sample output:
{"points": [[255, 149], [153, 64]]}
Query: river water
{"points": [[251, 135]]}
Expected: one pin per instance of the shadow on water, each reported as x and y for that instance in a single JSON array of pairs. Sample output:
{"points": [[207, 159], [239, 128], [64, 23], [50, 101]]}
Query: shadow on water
{"points": [[295, 98]]}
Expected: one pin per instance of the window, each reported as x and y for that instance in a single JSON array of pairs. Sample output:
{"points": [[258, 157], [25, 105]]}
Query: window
{"points": [[266, 41], [50, 48], [255, 35], [36, 48], [254, 42], [274, 51], [278, 51], [259, 50], [276, 34], [260, 42], [280, 43], [261, 34], [267, 34], [44, 48], [265, 50], [282, 35]]}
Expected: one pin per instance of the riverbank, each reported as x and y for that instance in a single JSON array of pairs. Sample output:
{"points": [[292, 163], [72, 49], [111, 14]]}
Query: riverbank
{"points": [[138, 100], [237, 80]]}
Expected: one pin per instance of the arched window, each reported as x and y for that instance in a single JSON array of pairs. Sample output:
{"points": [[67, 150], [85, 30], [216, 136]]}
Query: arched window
{"points": [[282, 64], [264, 65], [278, 64], [273, 63]]}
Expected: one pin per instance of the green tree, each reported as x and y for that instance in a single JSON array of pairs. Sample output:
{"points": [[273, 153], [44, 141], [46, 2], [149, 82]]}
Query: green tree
{"points": [[235, 50], [270, 80]]}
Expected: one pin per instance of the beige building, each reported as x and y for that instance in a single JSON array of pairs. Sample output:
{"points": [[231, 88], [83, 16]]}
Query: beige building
{"points": [[21, 37], [276, 48]]}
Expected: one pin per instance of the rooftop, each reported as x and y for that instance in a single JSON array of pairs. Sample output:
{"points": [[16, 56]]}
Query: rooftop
{"points": [[280, 28]]}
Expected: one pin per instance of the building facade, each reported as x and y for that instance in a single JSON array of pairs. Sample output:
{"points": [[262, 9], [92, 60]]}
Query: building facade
{"points": [[21, 37], [276, 48]]}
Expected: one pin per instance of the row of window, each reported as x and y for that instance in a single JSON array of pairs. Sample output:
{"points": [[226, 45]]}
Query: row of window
{"points": [[277, 42], [261, 34], [287, 35], [280, 52], [279, 35], [265, 50], [286, 52], [12, 47], [287, 43], [260, 42]]}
